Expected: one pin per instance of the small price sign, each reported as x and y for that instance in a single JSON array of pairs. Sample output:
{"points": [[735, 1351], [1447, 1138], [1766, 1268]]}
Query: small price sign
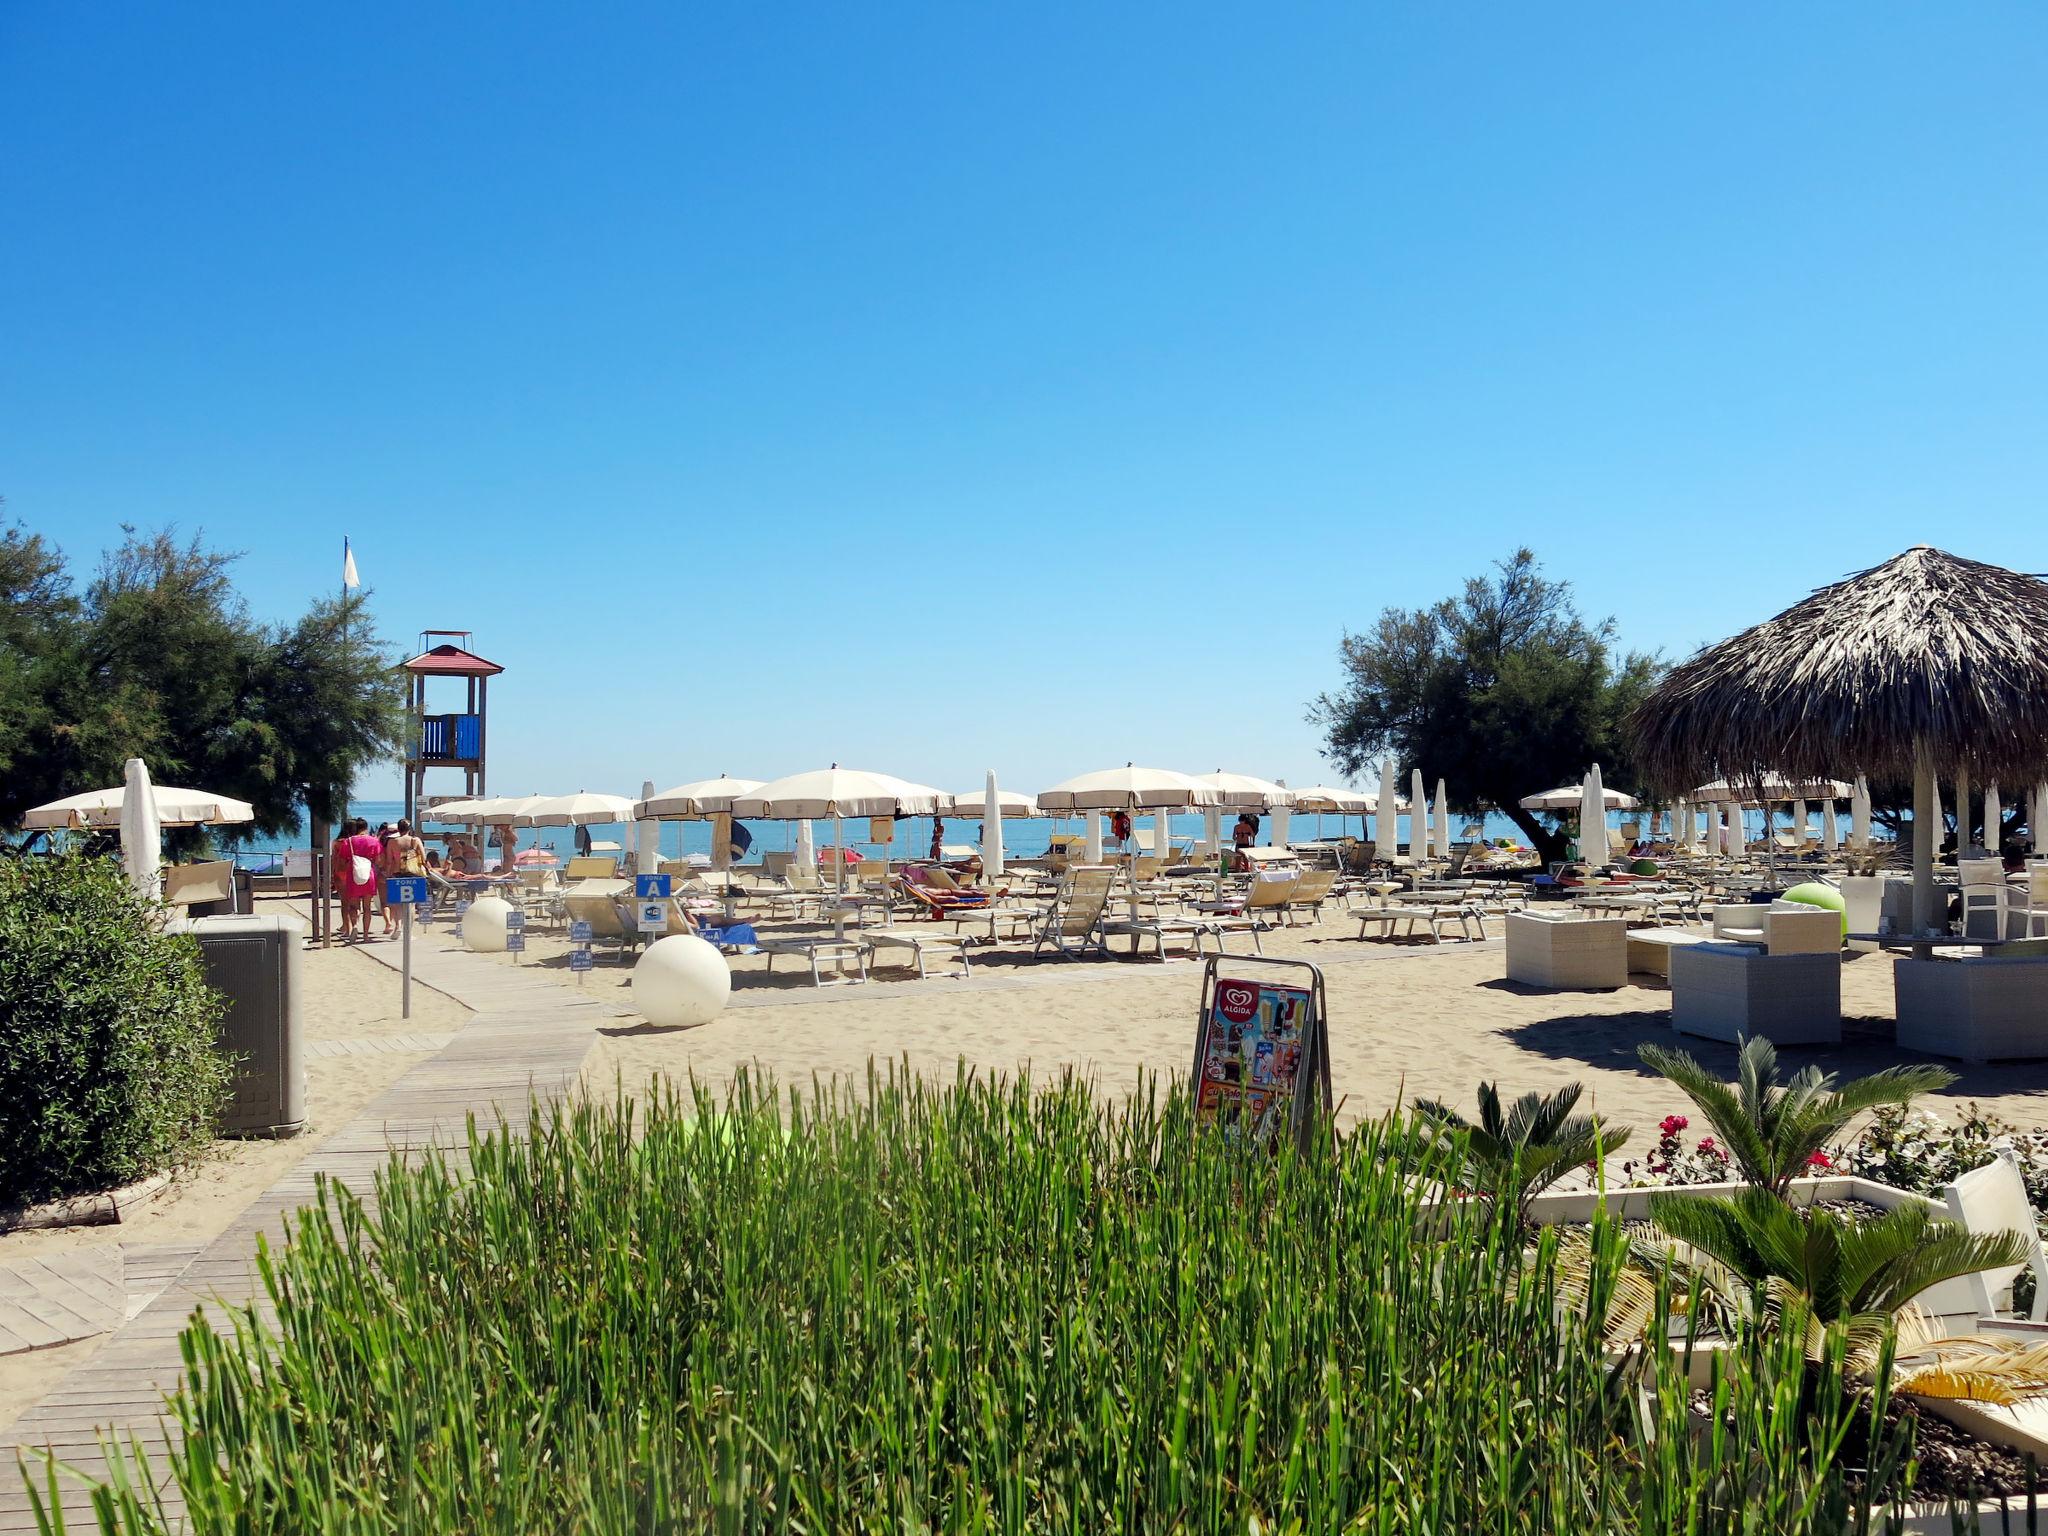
{"points": [[515, 921], [579, 959], [653, 887], [579, 931], [515, 940]]}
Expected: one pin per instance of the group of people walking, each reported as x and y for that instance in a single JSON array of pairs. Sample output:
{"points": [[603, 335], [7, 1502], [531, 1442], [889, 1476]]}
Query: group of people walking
{"points": [[362, 859]]}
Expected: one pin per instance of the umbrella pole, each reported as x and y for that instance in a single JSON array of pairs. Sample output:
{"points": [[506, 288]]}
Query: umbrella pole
{"points": [[1926, 830]]}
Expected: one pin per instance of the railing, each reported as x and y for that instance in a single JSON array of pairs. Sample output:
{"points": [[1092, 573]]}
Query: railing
{"points": [[451, 738]]}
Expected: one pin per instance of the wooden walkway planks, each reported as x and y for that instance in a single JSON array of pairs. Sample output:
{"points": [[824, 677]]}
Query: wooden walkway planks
{"points": [[526, 1050]]}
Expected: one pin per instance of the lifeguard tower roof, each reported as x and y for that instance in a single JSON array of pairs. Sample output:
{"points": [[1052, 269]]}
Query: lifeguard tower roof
{"points": [[449, 659]]}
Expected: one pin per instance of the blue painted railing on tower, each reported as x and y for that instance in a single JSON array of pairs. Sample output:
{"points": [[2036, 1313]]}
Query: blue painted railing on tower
{"points": [[451, 738]]}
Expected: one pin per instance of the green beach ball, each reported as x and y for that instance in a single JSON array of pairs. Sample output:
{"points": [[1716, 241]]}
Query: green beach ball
{"points": [[1814, 894], [1643, 867]]}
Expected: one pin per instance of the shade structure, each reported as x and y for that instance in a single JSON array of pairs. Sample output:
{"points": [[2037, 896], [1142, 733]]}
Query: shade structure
{"points": [[1386, 836], [1572, 797], [695, 800], [141, 831], [1242, 791], [1128, 788], [1442, 829], [973, 805], [1926, 667], [1593, 818], [103, 809], [1767, 789], [1326, 799], [1418, 816], [836, 791], [582, 809]]}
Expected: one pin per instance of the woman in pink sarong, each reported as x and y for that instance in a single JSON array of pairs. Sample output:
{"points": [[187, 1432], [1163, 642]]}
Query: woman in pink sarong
{"points": [[356, 852]]}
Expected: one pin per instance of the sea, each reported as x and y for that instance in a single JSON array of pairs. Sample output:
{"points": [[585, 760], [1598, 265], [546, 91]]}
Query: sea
{"points": [[1023, 837]]}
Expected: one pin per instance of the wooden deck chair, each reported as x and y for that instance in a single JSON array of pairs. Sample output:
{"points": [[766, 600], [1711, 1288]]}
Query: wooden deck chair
{"points": [[1310, 892], [607, 923], [1073, 923], [591, 866]]}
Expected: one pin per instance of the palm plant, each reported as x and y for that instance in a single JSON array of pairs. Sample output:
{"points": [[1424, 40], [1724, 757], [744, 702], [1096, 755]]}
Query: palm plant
{"points": [[1514, 1156], [1772, 1131], [1815, 1272]]}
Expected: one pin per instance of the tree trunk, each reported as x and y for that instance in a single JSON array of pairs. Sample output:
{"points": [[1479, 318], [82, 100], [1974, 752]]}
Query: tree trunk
{"points": [[1549, 845]]}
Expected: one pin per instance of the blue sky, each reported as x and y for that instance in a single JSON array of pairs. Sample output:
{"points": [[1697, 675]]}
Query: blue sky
{"points": [[932, 388]]}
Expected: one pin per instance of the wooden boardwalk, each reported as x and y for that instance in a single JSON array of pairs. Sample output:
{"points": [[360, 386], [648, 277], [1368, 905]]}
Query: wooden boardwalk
{"points": [[524, 1046]]}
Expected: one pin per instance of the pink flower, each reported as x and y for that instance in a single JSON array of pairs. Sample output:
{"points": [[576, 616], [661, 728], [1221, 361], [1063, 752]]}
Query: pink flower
{"points": [[1819, 1160], [1671, 1125]]}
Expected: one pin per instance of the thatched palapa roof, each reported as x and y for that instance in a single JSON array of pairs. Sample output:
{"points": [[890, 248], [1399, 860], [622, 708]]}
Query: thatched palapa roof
{"points": [[1924, 648]]}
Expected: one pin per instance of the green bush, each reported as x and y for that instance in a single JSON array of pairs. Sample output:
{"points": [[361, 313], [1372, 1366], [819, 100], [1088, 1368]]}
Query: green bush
{"points": [[110, 1065], [976, 1309]]}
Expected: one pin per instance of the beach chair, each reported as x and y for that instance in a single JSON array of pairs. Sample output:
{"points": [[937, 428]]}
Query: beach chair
{"points": [[608, 921], [591, 866], [1186, 932], [1267, 892], [1072, 925], [1315, 887], [818, 950]]}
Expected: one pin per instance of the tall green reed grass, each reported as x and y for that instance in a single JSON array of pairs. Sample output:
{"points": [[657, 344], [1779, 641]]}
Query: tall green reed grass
{"points": [[976, 1308]]}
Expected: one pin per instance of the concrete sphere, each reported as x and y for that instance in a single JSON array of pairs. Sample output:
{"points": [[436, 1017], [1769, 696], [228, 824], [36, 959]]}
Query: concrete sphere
{"points": [[681, 980], [483, 925]]}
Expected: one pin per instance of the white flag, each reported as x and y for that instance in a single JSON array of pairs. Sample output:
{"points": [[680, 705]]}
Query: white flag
{"points": [[348, 566]]}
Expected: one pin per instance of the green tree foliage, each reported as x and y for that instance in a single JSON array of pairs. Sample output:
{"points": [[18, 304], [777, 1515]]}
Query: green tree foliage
{"points": [[110, 1065], [161, 659], [1502, 691]]}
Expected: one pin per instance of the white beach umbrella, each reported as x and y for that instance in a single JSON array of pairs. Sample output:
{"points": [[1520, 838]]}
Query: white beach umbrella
{"points": [[453, 813], [1443, 822], [141, 832], [993, 810], [1328, 799], [1593, 819], [1830, 840], [105, 809], [1994, 813], [1242, 791], [1418, 816], [973, 805], [582, 809], [506, 810], [1859, 814], [1386, 836], [695, 800], [1129, 788], [837, 791], [1572, 797]]}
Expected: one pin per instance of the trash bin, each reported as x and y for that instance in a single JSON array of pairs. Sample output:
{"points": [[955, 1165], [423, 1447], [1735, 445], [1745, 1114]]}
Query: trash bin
{"points": [[255, 962]]}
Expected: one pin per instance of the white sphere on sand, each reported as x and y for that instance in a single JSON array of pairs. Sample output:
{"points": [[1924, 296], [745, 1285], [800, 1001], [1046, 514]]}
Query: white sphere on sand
{"points": [[483, 925], [681, 980]]}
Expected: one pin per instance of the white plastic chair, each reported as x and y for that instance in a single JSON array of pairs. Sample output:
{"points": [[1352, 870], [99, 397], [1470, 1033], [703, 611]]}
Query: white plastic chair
{"points": [[1994, 1199], [1983, 887]]}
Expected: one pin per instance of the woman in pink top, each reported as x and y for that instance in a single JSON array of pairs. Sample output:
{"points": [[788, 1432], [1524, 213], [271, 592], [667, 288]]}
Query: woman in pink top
{"points": [[355, 894]]}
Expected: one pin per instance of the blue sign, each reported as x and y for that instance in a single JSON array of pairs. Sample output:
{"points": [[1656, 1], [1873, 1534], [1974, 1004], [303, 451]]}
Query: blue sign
{"points": [[579, 931], [651, 887], [579, 959], [515, 939], [515, 920], [406, 891]]}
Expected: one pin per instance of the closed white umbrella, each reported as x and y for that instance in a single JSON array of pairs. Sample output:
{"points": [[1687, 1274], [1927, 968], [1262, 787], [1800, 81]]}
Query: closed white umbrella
{"points": [[1386, 836], [1799, 823], [1731, 833], [1418, 817], [141, 832], [1859, 814], [1830, 840], [806, 849], [1443, 822], [1681, 825], [1593, 819], [105, 809], [1091, 825], [699, 798], [993, 811], [2037, 820], [1994, 813], [646, 836]]}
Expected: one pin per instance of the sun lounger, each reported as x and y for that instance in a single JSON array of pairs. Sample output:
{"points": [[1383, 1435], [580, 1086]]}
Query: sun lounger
{"points": [[1187, 933], [950, 947], [600, 909], [591, 866], [1310, 892], [1434, 916], [819, 949]]}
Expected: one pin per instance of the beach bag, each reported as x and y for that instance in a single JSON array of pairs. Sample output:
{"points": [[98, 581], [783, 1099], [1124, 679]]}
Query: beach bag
{"points": [[359, 871]]}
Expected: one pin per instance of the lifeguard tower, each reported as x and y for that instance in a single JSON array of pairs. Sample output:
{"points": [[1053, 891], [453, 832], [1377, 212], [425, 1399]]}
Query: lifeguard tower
{"points": [[446, 740]]}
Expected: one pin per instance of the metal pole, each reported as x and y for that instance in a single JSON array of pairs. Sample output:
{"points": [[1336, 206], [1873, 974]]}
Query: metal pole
{"points": [[405, 965]]}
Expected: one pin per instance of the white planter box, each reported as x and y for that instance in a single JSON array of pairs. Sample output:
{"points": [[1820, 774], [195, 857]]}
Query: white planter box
{"points": [[1567, 953]]}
